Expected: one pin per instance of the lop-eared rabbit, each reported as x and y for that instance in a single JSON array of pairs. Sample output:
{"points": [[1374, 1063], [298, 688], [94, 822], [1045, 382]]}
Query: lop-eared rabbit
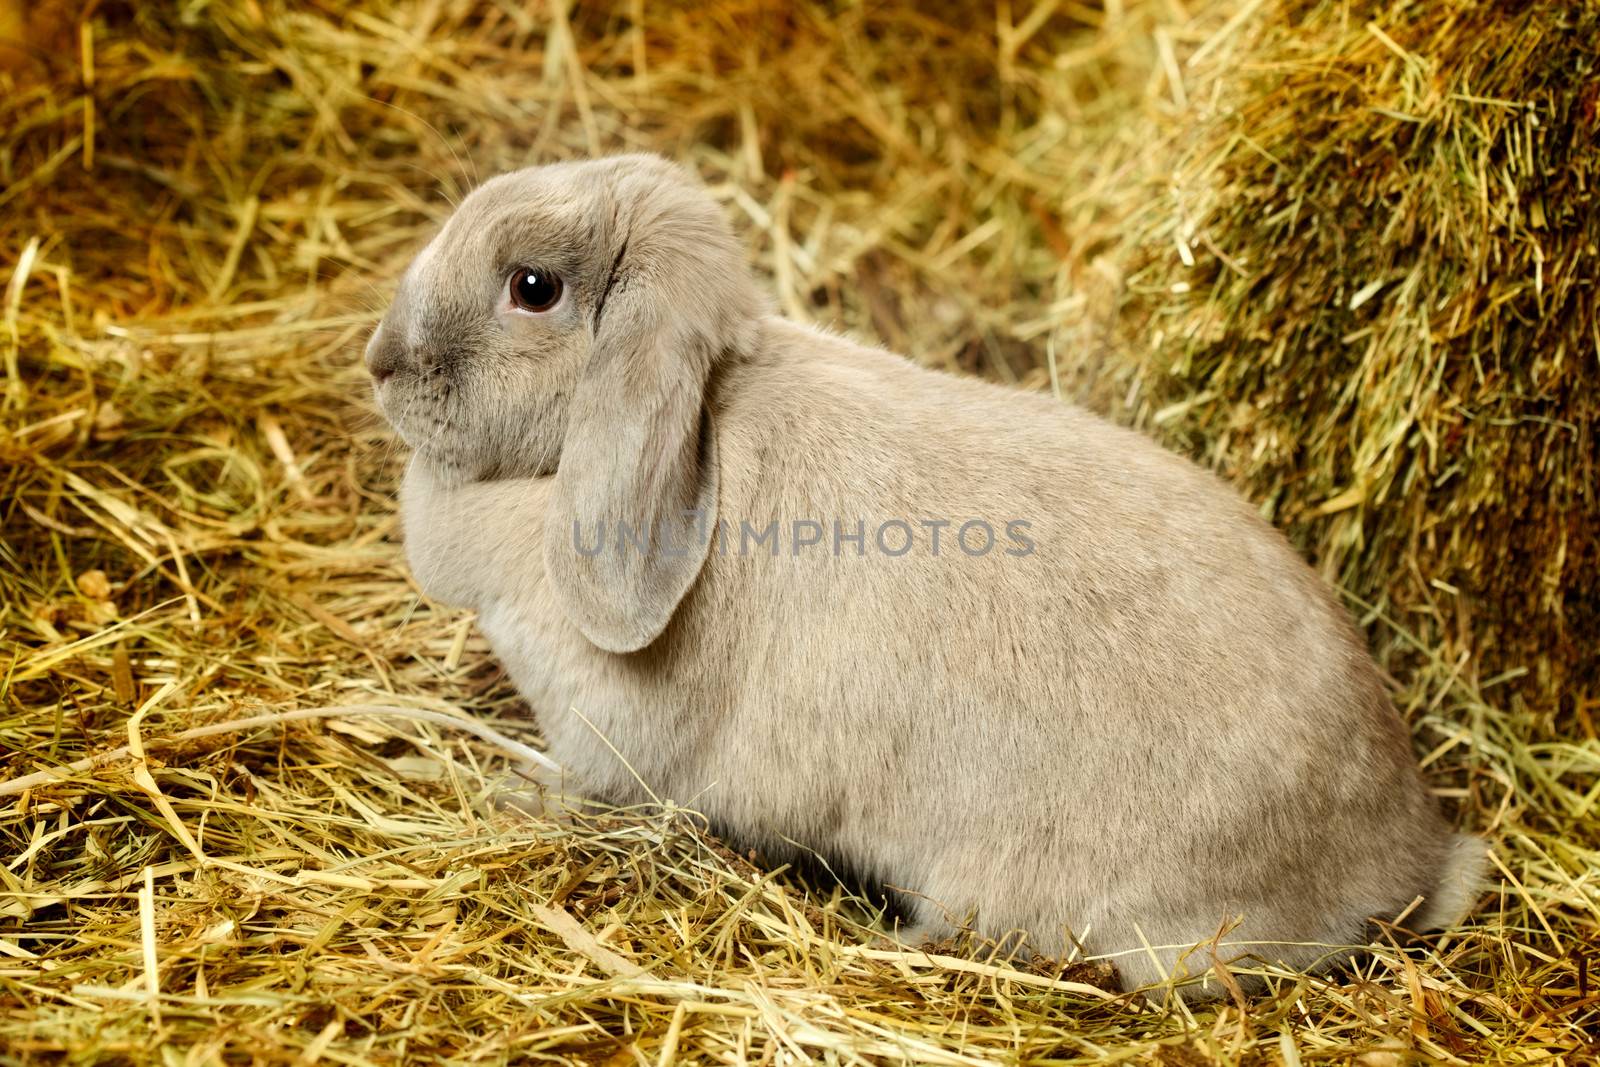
{"points": [[1109, 704]]}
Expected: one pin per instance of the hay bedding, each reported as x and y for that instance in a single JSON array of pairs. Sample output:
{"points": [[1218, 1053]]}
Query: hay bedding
{"points": [[200, 208]]}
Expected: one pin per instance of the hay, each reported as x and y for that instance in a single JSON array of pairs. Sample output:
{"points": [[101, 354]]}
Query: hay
{"points": [[200, 209], [1369, 295]]}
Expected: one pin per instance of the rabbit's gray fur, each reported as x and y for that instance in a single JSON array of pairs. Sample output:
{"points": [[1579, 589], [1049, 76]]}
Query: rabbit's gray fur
{"points": [[1156, 725]]}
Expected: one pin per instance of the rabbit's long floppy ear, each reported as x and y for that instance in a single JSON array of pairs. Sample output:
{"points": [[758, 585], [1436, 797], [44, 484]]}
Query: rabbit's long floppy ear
{"points": [[635, 501]]}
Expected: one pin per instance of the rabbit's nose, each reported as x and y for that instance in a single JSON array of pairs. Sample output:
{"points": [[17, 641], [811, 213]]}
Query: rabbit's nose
{"points": [[385, 355]]}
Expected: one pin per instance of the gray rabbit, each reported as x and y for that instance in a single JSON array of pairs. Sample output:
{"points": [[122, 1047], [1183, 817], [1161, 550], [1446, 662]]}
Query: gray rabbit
{"points": [[702, 539]]}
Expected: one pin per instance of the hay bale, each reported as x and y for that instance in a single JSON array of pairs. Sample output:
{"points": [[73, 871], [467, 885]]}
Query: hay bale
{"points": [[1370, 297], [34, 34]]}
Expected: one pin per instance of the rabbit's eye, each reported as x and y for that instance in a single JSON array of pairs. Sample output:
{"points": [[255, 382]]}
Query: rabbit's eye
{"points": [[535, 290]]}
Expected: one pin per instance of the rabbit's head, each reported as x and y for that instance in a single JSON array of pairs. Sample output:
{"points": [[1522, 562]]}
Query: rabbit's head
{"points": [[566, 320]]}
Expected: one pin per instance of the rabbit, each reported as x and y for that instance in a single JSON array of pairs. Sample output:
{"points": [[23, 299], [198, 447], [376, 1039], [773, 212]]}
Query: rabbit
{"points": [[705, 542]]}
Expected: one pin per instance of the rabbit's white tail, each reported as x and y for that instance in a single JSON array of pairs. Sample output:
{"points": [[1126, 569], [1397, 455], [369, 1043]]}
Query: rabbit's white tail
{"points": [[1461, 881]]}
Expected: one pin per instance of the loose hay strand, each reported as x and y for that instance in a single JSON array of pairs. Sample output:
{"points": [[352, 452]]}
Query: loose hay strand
{"points": [[135, 747]]}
